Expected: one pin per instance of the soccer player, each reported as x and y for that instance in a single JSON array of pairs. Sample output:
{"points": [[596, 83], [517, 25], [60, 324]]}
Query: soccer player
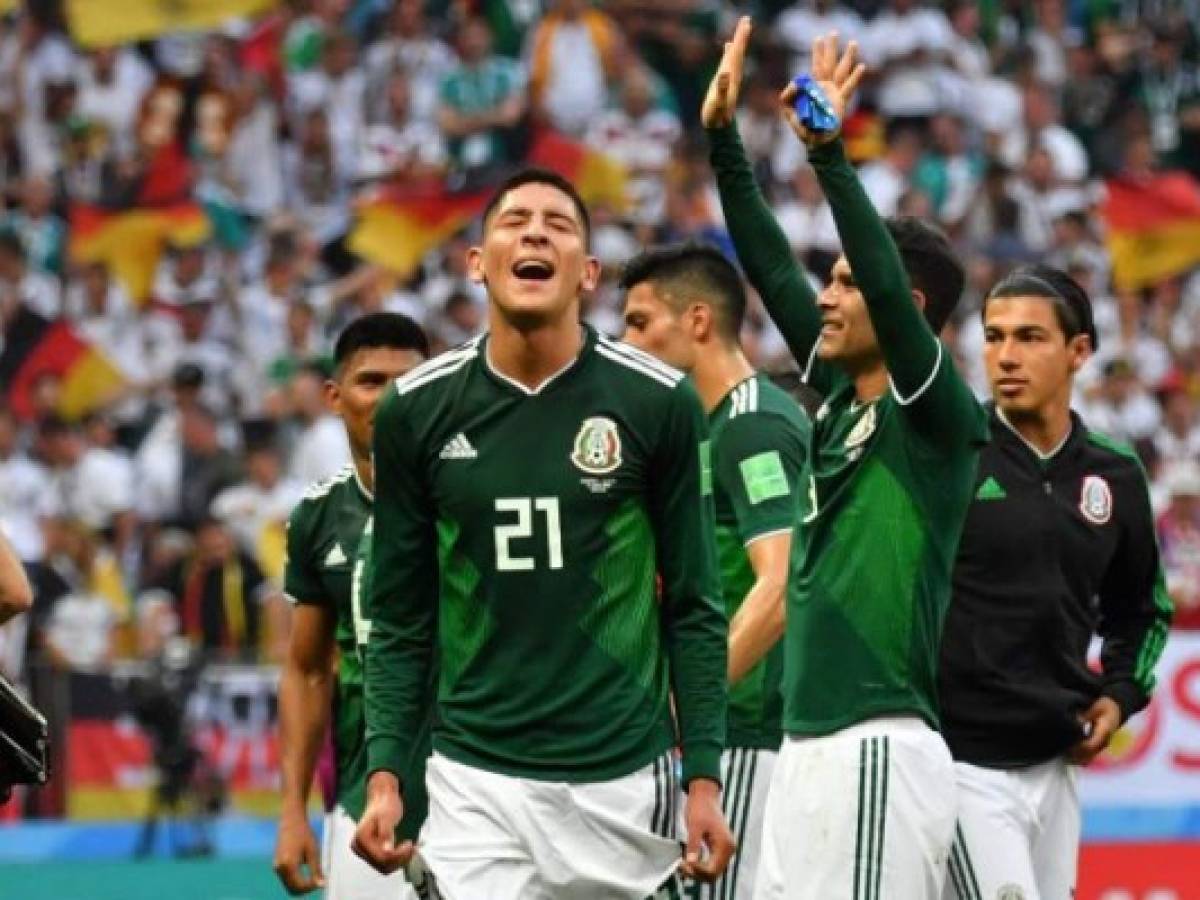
{"points": [[531, 485], [862, 801], [324, 533], [1058, 545], [685, 304]]}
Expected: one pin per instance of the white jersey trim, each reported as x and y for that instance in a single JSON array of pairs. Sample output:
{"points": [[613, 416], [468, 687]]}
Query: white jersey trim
{"points": [[937, 364], [767, 534], [641, 356], [322, 486], [635, 366]]}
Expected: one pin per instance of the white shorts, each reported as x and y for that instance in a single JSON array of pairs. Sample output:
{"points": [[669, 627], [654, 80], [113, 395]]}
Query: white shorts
{"points": [[1018, 834], [746, 776], [498, 837], [348, 876], [865, 813]]}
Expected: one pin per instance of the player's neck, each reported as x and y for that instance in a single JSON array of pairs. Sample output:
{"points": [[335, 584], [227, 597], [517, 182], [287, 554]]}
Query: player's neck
{"points": [[531, 356], [365, 472], [719, 370], [1045, 429], [870, 384]]}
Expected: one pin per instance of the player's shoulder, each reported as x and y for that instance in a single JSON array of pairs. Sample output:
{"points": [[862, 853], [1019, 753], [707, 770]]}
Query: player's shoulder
{"points": [[434, 373], [637, 365], [1115, 457], [318, 496]]}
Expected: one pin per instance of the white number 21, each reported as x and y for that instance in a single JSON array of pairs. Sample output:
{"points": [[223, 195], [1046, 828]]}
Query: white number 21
{"points": [[522, 528]]}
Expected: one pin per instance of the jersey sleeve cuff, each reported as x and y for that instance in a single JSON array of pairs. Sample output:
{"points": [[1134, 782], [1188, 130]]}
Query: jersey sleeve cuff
{"points": [[388, 754], [702, 760], [1127, 695]]}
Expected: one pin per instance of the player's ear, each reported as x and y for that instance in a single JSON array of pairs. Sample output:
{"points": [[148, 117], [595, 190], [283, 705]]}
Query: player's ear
{"points": [[591, 274], [1079, 349], [333, 396], [919, 299], [475, 266], [700, 317]]}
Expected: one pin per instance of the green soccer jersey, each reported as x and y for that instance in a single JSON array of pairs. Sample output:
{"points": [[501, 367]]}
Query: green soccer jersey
{"points": [[758, 434], [888, 482], [323, 536], [521, 534]]}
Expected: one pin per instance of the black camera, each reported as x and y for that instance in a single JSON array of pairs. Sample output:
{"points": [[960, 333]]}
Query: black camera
{"points": [[24, 742]]}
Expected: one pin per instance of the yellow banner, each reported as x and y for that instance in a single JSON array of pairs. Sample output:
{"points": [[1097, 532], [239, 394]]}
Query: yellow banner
{"points": [[105, 23]]}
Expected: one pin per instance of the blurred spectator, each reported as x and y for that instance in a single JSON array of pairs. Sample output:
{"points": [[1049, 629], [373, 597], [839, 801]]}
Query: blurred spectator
{"points": [[799, 25], [1122, 408], [42, 233], [886, 179], [23, 488], [906, 46], [256, 509], [338, 87], [1179, 538], [1041, 129], [482, 102], [219, 594], [21, 285], [400, 148], [808, 222], [112, 82], [949, 173], [315, 188], [90, 481], [1178, 440], [409, 47], [319, 447], [571, 56], [641, 138]]}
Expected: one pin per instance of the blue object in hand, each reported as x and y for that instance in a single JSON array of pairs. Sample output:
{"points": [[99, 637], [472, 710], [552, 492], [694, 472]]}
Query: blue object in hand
{"points": [[813, 108]]}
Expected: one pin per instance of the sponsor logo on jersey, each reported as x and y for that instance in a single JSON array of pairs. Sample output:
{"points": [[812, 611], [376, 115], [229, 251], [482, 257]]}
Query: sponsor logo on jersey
{"points": [[990, 490], [1095, 500], [862, 430], [458, 447], [597, 446], [335, 557]]}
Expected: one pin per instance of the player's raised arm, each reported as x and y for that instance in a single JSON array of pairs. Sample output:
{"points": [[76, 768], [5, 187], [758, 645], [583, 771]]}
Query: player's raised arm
{"points": [[910, 349], [762, 248], [402, 608]]}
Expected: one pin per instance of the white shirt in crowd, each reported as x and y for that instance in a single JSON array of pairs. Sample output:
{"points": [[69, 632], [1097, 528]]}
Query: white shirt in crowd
{"points": [[320, 450]]}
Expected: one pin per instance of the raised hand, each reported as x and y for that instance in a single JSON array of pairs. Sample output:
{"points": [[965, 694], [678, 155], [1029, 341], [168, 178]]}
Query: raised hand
{"points": [[838, 77], [720, 103]]}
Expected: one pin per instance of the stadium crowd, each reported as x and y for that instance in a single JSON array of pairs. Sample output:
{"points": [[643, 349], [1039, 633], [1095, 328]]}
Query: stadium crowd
{"points": [[162, 510]]}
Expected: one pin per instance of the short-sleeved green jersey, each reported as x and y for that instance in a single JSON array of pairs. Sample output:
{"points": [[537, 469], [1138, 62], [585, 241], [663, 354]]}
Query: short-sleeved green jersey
{"points": [[888, 486], [758, 435], [520, 534], [323, 536], [416, 801]]}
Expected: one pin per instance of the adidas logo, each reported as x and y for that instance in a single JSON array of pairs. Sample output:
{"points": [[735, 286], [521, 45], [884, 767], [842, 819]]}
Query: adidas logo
{"points": [[458, 447], [335, 556], [990, 490]]}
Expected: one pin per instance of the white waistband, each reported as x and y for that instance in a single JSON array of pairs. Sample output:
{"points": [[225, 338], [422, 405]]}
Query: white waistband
{"points": [[879, 725]]}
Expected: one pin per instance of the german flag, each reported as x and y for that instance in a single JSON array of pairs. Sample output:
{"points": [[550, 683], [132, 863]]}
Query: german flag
{"points": [[107, 23], [1153, 228], [131, 241], [35, 347], [398, 227]]}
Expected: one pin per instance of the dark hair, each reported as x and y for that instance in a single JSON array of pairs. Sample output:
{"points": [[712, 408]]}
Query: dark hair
{"points": [[1072, 306], [692, 271], [11, 243], [933, 267], [391, 330], [537, 175]]}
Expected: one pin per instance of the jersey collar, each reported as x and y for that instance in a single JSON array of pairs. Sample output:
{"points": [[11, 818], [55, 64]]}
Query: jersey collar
{"points": [[1043, 458], [589, 341]]}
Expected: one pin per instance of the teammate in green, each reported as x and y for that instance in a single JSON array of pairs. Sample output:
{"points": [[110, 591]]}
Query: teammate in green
{"points": [[862, 804], [532, 485], [323, 672], [685, 304]]}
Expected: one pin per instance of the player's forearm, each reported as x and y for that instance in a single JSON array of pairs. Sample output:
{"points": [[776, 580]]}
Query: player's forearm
{"points": [[305, 699], [757, 626], [697, 649], [762, 247], [909, 347], [397, 667]]}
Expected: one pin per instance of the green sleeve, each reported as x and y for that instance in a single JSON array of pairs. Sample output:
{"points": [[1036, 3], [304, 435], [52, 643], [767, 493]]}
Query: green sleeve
{"points": [[1135, 608], [694, 624], [924, 381], [757, 466], [361, 579], [762, 248], [301, 581], [402, 601]]}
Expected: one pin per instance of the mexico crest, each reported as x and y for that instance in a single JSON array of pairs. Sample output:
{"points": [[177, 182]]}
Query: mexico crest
{"points": [[1095, 500], [597, 446]]}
